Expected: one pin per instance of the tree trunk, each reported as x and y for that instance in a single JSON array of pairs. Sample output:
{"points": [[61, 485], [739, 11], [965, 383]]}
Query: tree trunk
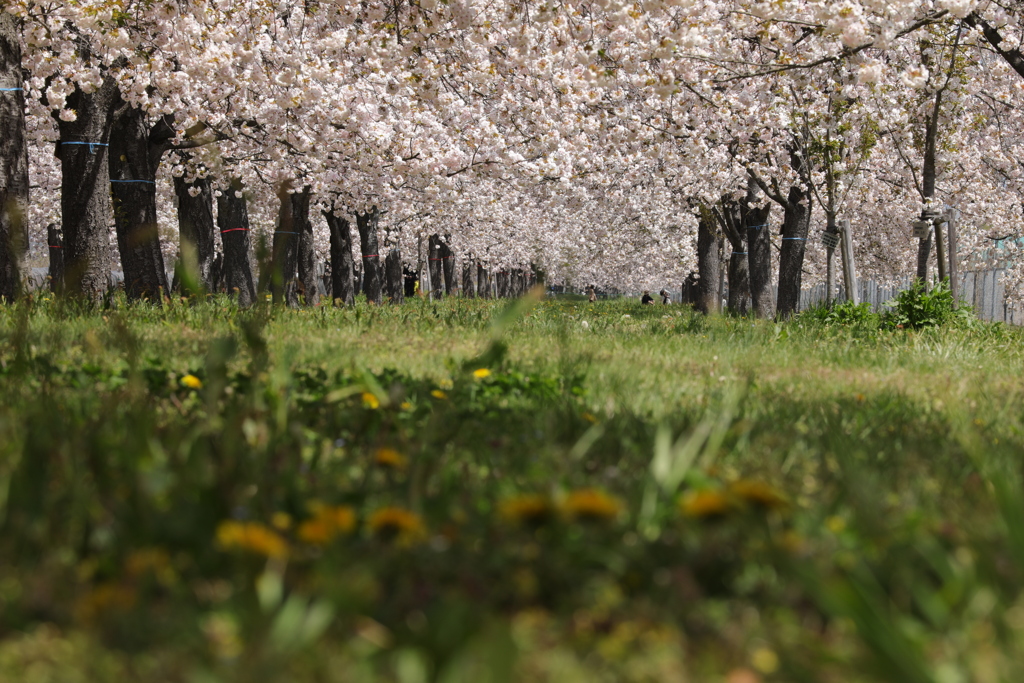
{"points": [[195, 229], [731, 222], [342, 279], [394, 276], [448, 268], [284, 252], [307, 283], [85, 191], [759, 252], [709, 297], [367, 224], [796, 224], [739, 283], [435, 257], [483, 283], [133, 166], [928, 172], [13, 160], [233, 221], [55, 244], [468, 288]]}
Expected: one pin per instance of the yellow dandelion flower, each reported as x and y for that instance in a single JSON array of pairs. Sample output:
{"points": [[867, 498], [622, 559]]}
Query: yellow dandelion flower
{"points": [[759, 494], [792, 542], [370, 401], [192, 382], [437, 393], [836, 524], [406, 405], [765, 660], [446, 384], [390, 458], [251, 536], [482, 373], [591, 505], [105, 598], [150, 561], [394, 523], [531, 510], [706, 504], [326, 523], [281, 521]]}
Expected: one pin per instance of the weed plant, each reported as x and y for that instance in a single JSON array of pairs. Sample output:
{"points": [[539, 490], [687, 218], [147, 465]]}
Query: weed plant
{"points": [[470, 490]]}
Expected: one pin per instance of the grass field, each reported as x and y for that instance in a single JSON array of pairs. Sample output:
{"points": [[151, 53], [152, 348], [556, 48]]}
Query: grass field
{"points": [[482, 491]]}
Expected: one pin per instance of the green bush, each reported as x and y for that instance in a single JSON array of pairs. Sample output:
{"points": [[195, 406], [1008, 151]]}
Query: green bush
{"points": [[918, 307]]}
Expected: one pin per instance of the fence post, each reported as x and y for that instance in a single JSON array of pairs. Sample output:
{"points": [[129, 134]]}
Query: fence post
{"points": [[849, 270]]}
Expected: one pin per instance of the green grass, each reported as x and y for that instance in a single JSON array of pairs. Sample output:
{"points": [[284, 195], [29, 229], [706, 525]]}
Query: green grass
{"points": [[652, 496]]}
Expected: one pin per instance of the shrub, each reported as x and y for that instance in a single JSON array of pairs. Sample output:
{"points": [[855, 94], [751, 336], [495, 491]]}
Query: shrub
{"points": [[841, 313], [918, 307]]}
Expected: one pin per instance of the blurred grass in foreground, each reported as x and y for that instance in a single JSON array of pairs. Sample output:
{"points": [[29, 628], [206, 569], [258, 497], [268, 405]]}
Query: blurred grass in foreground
{"points": [[478, 491]]}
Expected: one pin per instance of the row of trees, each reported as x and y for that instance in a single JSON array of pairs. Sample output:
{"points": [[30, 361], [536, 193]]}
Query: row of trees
{"points": [[622, 144]]}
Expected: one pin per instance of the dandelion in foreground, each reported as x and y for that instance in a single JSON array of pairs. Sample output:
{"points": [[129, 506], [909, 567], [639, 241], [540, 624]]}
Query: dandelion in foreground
{"points": [[389, 458], [395, 523], [251, 536], [326, 523], [481, 373], [528, 510], [759, 494], [370, 401], [706, 504], [438, 394], [192, 382], [591, 505]]}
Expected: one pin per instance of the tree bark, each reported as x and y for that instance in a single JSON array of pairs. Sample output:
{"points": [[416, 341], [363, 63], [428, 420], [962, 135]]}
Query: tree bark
{"points": [[500, 288], [796, 224], [14, 180], [284, 252], [739, 283], [759, 252], [367, 225], [55, 245], [308, 282], [830, 262], [731, 222], [85, 191], [924, 245], [483, 282], [342, 279], [448, 269], [709, 297], [133, 166], [195, 229], [233, 221], [435, 257], [468, 288], [394, 276]]}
